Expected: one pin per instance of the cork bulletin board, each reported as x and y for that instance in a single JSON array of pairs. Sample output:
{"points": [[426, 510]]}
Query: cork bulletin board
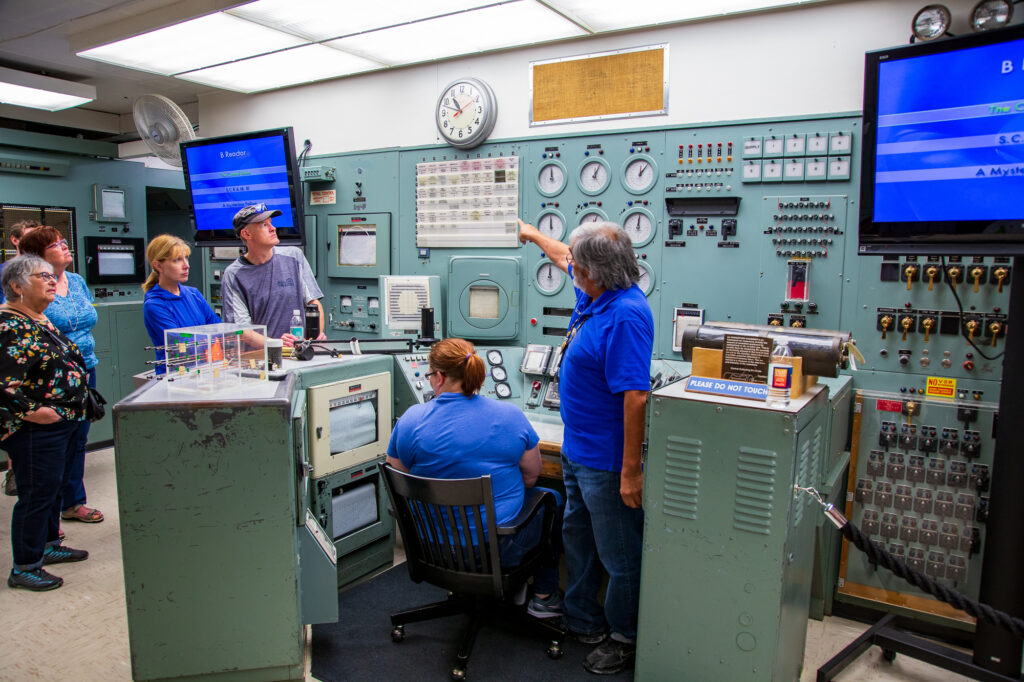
{"points": [[618, 84]]}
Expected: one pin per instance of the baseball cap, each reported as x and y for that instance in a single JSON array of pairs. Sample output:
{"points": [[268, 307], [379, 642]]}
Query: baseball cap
{"points": [[254, 213]]}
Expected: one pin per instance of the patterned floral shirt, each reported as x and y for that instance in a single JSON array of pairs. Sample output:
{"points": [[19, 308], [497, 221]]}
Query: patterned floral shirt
{"points": [[38, 369]]}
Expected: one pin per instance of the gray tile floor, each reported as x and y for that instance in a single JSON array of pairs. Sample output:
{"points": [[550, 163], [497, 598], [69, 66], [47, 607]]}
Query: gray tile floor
{"points": [[80, 631]]}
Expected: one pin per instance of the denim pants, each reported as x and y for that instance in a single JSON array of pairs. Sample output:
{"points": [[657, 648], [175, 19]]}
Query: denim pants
{"points": [[42, 455], [600, 531], [73, 492], [513, 548]]}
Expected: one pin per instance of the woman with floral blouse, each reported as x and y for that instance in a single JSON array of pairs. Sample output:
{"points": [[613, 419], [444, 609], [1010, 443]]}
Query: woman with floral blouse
{"points": [[42, 403]]}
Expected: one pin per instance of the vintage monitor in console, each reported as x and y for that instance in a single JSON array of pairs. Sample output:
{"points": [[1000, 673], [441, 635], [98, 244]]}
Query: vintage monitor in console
{"points": [[349, 422], [115, 260]]}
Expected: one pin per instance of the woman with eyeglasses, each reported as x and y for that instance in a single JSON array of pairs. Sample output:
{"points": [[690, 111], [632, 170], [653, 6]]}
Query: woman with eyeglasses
{"points": [[72, 312], [42, 405], [462, 434]]}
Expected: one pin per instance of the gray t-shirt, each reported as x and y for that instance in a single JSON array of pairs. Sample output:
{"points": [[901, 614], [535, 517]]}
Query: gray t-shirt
{"points": [[268, 293]]}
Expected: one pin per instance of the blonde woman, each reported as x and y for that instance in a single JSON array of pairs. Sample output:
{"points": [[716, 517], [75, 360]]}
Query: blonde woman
{"points": [[169, 304]]}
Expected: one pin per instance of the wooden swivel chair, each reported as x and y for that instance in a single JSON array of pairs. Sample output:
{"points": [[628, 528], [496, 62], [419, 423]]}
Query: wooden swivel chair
{"points": [[445, 548]]}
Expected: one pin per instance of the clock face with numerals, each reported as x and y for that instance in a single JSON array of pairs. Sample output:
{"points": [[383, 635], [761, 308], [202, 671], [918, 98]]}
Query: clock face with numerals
{"points": [[466, 112]]}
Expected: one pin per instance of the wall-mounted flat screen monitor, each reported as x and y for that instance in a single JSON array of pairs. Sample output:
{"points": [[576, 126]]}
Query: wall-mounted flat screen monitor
{"points": [[224, 174], [943, 156]]}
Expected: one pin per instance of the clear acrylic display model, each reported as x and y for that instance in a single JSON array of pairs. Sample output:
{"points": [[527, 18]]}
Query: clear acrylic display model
{"points": [[212, 357]]}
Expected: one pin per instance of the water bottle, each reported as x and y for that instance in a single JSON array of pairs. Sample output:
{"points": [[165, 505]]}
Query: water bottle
{"points": [[780, 375], [297, 327]]}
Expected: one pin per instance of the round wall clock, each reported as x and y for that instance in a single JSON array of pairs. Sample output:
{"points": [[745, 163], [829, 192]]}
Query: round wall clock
{"points": [[466, 112]]}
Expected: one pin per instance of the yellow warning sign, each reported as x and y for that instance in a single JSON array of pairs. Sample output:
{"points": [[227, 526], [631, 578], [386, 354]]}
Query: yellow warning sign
{"points": [[941, 387]]}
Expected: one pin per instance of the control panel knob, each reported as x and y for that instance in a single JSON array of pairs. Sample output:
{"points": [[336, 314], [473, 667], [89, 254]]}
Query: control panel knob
{"points": [[976, 275], [797, 323], [995, 328], [909, 272], [885, 322], [775, 322], [932, 273], [927, 324], [904, 359], [905, 324], [969, 365], [971, 326], [953, 274], [1000, 274]]}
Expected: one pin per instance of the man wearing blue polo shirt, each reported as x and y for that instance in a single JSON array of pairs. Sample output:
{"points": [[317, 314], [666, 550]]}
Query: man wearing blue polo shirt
{"points": [[603, 384]]}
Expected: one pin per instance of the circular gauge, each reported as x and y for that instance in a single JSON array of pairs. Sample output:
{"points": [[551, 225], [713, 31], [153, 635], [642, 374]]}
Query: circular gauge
{"points": [[503, 390], [551, 224], [549, 278], [639, 225], [593, 176], [639, 174], [499, 373], [465, 112], [646, 281], [494, 357], [551, 179], [593, 215]]}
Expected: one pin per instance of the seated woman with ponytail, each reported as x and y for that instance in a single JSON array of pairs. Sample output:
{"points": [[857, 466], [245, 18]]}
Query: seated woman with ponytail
{"points": [[169, 304], [461, 434]]}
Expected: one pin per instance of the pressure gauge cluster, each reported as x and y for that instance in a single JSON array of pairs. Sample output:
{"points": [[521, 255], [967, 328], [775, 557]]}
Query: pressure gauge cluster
{"points": [[593, 176], [551, 178], [548, 278], [502, 389], [639, 224], [639, 174]]}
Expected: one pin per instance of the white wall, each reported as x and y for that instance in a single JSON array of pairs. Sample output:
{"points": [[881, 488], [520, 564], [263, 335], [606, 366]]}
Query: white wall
{"points": [[785, 63]]}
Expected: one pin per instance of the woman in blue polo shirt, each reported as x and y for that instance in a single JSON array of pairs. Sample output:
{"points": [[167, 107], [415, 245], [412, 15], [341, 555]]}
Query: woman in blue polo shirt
{"points": [[169, 304], [461, 434]]}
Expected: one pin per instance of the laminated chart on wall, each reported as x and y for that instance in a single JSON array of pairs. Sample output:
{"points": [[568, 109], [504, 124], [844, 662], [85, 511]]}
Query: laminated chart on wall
{"points": [[468, 202]]}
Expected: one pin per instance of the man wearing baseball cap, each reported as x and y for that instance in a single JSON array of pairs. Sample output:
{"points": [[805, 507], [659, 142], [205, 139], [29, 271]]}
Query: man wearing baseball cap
{"points": [[267, 283]]}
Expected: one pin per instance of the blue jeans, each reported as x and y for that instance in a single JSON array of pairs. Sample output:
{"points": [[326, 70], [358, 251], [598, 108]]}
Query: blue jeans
{"points": [[512, 549], [600, 532], [73, 492], [42, 455]]}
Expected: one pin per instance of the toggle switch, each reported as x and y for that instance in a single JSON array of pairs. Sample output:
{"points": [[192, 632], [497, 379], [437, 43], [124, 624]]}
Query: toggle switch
{"points": [[884, 322], [971, 326], [1000, 275], [995, 328], [932, 272], [954, 273], [927, 324], [910, 275], [977, 274]]}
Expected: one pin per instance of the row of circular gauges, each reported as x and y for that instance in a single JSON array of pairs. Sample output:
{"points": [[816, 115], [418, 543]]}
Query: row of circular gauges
{"points": [[549, 278], [638, 223], [498, 373], [638, 175]]}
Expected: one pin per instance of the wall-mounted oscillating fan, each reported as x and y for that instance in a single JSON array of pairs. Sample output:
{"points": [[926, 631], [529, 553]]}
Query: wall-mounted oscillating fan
{"points": [[162, 125]]}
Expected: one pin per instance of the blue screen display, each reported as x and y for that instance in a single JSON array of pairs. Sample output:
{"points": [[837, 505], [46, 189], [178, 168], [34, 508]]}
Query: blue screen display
{"points": [[950, 136], [223, 177]]}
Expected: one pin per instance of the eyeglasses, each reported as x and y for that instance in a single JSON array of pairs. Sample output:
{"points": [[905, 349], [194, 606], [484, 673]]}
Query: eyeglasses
{"points": [[251, 210], [568, 257], [430, 374], [45, 276], [63, 243]]}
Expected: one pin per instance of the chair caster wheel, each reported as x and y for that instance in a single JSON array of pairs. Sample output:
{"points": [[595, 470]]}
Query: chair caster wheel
{"points": [[398, 633], [889, 655], [555, 650], [458, 674]]}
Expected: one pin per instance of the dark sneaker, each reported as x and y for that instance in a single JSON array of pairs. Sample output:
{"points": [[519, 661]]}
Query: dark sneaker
{"points": [[610, 658], [595, 638], [37, 580], [59, 554], [550, 607]]}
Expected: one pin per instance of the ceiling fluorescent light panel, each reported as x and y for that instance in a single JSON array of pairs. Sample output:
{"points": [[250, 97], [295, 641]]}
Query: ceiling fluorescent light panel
{"points": [[522, 23], [42, 92], [281, 69], [615, 15], [206, 41], [324, 19]]}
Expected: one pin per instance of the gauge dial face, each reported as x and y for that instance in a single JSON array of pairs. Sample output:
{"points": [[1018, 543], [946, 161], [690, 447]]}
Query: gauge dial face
{"points": [[503, 390], [466, 112], [551, 225], [639, 226], [549, 279], [551, 179], [591, 217], [499, 374], [494, 357], [639, 175], [594, 176], [646, 281]]}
